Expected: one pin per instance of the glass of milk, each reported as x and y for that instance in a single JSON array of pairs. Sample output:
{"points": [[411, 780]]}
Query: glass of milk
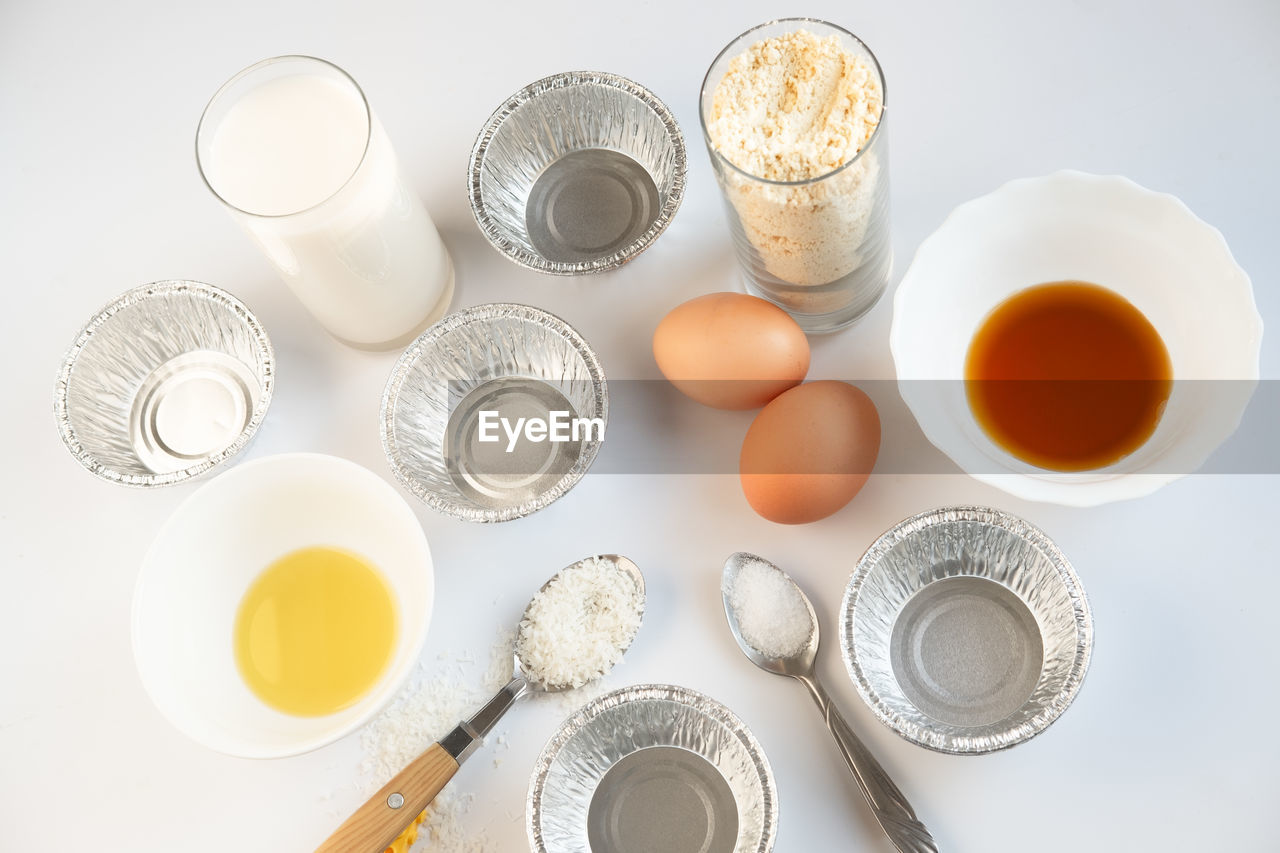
{"points": [[292, 149]]}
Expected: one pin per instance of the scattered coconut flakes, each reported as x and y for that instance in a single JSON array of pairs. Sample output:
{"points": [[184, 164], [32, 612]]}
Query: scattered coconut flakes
{"points": [[576, 629], [570, 701], [770, 610], [435, 700]]}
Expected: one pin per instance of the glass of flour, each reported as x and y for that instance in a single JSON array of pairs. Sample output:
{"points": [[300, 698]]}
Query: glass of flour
{"points": [[793, 113]]}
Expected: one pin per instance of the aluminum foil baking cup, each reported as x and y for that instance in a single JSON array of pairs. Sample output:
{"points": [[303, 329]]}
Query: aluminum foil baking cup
{"points": [[966, 630], [164, 383], [652, 767], [577, 173], [466, 384]]}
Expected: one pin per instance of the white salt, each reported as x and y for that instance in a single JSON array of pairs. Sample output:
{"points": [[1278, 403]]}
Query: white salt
{"points": [[770, 610]]}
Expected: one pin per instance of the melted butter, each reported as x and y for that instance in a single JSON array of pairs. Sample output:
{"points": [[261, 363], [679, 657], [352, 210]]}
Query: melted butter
{"points": [[315, 631]]}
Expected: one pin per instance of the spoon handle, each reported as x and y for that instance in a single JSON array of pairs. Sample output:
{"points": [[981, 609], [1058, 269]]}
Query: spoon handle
{"points": [[376, 824], [384, 816], [891, 808]]}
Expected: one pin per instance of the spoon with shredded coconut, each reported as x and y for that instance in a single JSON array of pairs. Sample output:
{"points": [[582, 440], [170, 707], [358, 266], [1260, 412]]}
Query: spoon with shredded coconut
{"points": [[575, 630], [777, 629]]}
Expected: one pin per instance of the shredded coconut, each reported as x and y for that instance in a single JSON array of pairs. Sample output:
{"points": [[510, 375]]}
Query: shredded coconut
{"points": [[435, 700], [770, 610], [576, 629], [796, 107]]}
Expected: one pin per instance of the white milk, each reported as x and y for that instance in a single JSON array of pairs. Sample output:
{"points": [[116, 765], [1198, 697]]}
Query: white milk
{"points": [[351, 240]]}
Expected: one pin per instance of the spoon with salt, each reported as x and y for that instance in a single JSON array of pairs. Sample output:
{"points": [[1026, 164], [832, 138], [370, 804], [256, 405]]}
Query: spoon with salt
{"points": [[591, 607], [775, 625]]}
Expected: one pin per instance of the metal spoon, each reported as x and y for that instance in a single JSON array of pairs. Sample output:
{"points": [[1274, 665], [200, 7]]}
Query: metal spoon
{"points": [[891, 808], [384, 816]]}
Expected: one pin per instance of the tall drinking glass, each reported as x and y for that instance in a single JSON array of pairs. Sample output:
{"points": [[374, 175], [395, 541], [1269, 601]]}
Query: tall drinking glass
{"points": [[818, 248], [292, 149]]}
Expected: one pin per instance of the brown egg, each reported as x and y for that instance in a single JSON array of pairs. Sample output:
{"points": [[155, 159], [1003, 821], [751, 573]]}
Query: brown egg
{"points": [[731, 350], [809, 452]]}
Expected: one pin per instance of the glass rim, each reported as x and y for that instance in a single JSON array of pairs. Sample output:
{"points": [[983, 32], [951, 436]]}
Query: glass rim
{"points": [[875, 134], [258, 66]]}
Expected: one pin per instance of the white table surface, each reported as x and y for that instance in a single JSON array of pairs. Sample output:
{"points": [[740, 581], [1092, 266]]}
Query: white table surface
{"points": [[1170, 745]]}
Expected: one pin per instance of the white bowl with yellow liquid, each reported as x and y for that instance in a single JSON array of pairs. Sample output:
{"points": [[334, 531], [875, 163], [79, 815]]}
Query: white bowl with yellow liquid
{"points": [[1148, 248], [194, 616]]}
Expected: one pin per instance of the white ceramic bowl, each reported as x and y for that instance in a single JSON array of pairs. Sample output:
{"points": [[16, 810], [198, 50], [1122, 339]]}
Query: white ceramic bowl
{"points": [[1146, 246], [211, 549]]}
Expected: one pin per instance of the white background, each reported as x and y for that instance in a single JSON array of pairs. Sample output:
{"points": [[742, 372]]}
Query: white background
{"points": [[1171, 744]]}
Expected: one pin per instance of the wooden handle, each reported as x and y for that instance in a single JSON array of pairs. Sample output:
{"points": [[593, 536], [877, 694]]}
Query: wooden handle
{"points": [[376, 824]]}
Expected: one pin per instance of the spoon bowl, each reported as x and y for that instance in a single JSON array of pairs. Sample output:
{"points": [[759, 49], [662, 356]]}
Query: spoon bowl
{"points": [[622, 564], [796, 665]]}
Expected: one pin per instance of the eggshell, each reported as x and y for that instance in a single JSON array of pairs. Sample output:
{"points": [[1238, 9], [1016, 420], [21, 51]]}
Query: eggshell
{"points": [[731, 350], [809, 452]]}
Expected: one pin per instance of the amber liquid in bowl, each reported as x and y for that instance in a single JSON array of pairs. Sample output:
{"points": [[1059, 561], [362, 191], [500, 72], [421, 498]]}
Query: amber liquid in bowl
{"points": [[1068, 376]]}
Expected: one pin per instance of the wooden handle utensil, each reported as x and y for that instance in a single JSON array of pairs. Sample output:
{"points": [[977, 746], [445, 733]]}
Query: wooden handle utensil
{"points": [[384, 816]]}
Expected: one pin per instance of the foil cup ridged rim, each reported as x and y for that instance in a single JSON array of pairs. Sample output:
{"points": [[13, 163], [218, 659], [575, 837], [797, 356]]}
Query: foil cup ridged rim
{"points": [[408, 360], [139, 295], [930, 738], [496, 234], [699, 703]]}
